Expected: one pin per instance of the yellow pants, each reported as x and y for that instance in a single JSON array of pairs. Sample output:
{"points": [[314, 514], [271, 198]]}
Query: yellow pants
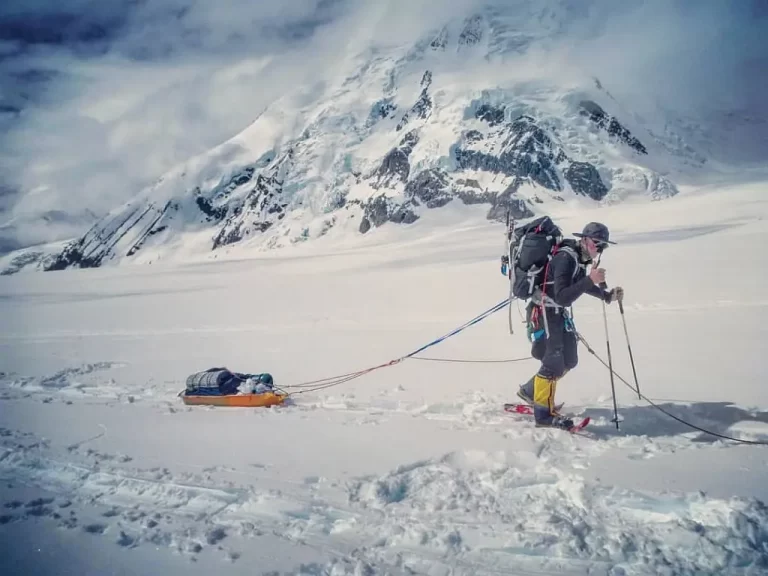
{"points": [[544, 394]]}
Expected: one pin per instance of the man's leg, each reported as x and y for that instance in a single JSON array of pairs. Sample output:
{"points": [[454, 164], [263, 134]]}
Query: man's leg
{"points": [[570, 351], [538, 350], [548, 386], [551, 370]]}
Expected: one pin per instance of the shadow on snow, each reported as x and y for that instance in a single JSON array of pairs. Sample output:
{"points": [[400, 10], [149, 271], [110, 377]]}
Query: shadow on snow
{"points": [[646, 420]]}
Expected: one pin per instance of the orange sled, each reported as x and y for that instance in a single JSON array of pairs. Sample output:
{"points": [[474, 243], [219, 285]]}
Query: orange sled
{"points": [[262, 399]]}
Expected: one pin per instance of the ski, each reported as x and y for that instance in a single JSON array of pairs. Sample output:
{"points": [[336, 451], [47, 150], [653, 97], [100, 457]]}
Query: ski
{"points": [[525, 408], [516, 408], [579, 426]]}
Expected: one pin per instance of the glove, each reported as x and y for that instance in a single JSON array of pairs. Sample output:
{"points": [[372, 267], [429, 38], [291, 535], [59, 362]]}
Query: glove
{"points": [[615, 294]]}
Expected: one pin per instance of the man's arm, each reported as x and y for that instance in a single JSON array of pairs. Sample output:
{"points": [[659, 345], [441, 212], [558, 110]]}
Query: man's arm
{"points": [[561, 269], [597, 292]]}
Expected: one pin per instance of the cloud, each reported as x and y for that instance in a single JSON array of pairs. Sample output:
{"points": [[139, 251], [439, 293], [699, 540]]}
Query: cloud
{"points": [[702, 62], [98, 101], [693, 53], [101, 97]]}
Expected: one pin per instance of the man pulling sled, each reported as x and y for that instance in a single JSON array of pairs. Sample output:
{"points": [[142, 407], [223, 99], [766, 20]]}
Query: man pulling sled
{"points": [[551, 272]]}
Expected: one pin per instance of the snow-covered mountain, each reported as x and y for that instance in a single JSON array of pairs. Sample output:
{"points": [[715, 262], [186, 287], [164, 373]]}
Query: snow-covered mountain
{"points": [[467, 115]]}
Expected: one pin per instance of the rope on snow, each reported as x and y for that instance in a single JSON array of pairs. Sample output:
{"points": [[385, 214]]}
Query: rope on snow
{"points": [[341, 379], [500, 361]]}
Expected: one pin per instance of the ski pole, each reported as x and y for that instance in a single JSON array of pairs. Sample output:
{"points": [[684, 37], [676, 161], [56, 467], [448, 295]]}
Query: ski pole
{"points": [[629, 347], [507, 266], [604, 286]]}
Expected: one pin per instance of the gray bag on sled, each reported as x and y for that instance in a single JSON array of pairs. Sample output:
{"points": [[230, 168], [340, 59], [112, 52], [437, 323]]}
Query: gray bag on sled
{"points": [[220, 381], [214, 381]]}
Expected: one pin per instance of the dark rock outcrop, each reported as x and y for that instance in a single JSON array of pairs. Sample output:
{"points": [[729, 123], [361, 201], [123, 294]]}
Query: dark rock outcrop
{"points": [[508, 202], [470, 196], [128, 229], [409, 141], [395, 166], [473, 136], [423, 106], [155, 227], [381, 209], [431, 187], [21, 261], [426, 79], [585, 180], [501, 202], [469, 183], [71, 256], [490, 114], [403, 215], [228, 235], [527, 152], [440, 41], [239, 179], [211, 214], [434, 188], [601, 119], [375, 213], [261, 208], [472, 32], [85, 252], [384, 108]]}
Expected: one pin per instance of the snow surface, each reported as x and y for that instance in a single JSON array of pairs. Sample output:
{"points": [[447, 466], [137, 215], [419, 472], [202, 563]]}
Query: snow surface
{"points": [[410, 469]]}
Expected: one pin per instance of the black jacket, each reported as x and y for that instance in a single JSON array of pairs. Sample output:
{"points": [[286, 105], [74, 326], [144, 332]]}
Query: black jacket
{"points": [[567, 279]]}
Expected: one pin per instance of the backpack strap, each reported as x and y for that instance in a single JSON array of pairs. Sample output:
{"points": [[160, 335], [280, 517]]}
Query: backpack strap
{"points": [[572, 253]]}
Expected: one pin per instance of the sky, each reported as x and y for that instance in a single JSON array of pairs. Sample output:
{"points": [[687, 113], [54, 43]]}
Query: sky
{"points": [[98, 98]]}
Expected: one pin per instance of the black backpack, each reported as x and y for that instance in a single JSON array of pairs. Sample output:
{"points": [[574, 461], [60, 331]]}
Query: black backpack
{"points": [[531, 246]]}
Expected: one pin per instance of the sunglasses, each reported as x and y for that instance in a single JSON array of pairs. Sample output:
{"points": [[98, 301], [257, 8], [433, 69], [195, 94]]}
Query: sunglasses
{"points": [[599, 244]]}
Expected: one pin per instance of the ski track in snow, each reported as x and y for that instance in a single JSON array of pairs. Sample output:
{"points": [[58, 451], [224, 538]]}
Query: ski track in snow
{"points": [[644, 434], [85, 376], [467, 511], [484, 513]]}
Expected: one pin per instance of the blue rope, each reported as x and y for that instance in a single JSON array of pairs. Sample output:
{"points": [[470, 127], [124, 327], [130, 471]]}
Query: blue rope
{"points": [[475, 320], [336, 380]]}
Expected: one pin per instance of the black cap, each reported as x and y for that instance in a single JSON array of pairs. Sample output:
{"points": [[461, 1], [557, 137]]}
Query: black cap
{"points": [[596, 231]]}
